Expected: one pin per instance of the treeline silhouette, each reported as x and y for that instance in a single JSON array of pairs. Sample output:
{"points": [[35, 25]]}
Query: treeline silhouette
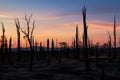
{"points": [[80, 50]]}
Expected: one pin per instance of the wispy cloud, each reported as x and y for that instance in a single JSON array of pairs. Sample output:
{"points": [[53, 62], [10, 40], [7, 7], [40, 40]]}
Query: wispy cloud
{"points": [[103, 23], [4, 16]]}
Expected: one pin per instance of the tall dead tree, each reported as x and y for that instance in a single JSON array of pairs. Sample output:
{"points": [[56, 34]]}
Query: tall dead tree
{"points": [[2, 42], [85, 39], [6, 47], [109, 43], [33, 43], [56, 55], [114, 31], [10, 54], [29, 34], [77, 40], [52, 45], [74, 48], [48, 54], [17, 23], [41, 49]]}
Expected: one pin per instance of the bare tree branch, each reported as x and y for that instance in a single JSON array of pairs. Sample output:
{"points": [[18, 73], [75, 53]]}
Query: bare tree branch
{"points": [[23, 31], [33, 27], [3, 29], [28, 20]]}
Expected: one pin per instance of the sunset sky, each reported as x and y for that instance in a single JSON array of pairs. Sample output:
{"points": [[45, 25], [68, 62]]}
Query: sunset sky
{"points": [[58, 18]]}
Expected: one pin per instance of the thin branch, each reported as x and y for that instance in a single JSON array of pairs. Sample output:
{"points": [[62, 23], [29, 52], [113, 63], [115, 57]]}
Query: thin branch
{"points": [[17, 23], [23, 31], [3, 29], [109, 35], [28, 20], [33, 27]]}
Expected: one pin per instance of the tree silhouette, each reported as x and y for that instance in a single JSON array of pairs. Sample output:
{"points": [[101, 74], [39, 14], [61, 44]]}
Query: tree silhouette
{"points": [[3, 42], [17, 23], [6, 48], [41, 49], [74, 48], [10, 55], [97, 53], [85, 38], [52, 44], [114, 55], [48, 54], [33, 43], [77, 40], [36, 51], [29, 35], [109, 43]]}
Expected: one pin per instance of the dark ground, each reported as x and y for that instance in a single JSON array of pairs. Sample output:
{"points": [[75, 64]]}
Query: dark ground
{"points": [[69, 69]]}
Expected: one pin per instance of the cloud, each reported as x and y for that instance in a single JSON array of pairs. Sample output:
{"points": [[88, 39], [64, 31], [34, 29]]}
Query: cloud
{"points": [[4, 16], [103, 23]]}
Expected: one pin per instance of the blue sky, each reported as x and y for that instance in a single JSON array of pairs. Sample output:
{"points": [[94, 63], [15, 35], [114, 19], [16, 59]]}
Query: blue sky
{"points": [[61, 5], [61, 8]]}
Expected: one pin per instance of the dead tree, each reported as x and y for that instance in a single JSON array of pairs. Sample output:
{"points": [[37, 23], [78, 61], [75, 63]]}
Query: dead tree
{"points": [[2, 42], [48, 54], [41, 50], [33, 43], [114, 55], [56, 55], [109, 43], [29, 35], [74, 48], [85, 39], [36, 51], [97, 53], [52, 45], [10, 54], [6, 48], [17, 23], [77, 40]]}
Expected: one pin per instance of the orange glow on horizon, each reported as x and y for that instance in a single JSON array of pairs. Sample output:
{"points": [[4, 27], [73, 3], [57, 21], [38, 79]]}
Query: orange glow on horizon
{"points": [[97, 31]]}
